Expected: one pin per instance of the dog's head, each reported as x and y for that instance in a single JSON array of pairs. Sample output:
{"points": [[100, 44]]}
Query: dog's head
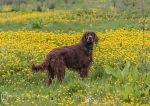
{"points": [[90, 37]]}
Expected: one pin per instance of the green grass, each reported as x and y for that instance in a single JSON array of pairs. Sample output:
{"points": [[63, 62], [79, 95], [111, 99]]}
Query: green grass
{"points": [[72, 26], [128, 85]]}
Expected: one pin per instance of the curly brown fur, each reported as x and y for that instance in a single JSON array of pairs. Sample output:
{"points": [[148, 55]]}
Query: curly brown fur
{"points": [[77, 57]]}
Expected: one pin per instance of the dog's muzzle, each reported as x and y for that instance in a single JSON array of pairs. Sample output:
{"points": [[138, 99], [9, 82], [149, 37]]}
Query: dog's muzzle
{"points": [[90, 39]]}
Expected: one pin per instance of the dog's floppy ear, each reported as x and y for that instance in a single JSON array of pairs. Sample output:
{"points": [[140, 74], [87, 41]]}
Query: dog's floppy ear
{"points": [[96, 39], [84, 37]]}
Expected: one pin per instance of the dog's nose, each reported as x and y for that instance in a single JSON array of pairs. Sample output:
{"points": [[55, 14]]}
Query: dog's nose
{"points": [[90, 38]]}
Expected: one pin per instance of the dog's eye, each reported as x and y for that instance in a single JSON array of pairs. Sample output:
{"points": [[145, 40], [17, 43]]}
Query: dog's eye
{"points": [[86, 37]]}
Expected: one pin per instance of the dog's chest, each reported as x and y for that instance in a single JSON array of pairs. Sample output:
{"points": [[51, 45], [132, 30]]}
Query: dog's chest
{"points": [[77, 59], [82, 61]]}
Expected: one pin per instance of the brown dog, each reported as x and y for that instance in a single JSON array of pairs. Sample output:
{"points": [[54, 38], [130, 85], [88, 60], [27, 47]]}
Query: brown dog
{"points": [[77, 57]]}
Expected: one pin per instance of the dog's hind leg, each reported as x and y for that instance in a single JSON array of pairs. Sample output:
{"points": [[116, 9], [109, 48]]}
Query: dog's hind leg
{"points": [[49, 78], [60, 70], [50, 73], [61, 74]]}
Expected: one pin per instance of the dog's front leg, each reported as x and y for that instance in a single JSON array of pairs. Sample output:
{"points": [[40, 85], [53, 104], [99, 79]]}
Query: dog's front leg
{"points": [[83, 72]]}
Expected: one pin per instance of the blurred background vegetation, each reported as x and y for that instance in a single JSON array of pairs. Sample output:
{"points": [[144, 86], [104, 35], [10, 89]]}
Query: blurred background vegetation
{"points": [[115, 14], [129, 6]]}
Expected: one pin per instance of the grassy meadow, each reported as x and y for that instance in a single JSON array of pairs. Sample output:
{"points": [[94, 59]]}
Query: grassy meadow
{"points": [[120, 72]]}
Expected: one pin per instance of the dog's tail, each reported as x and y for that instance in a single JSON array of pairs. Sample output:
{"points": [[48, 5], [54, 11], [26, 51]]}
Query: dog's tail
{"points": [[39, 67]]}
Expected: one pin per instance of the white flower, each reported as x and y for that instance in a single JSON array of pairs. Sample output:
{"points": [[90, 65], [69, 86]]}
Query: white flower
{"points": [[88, 100]]}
